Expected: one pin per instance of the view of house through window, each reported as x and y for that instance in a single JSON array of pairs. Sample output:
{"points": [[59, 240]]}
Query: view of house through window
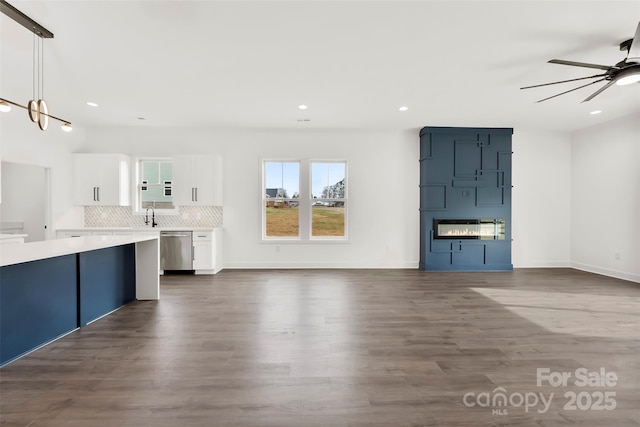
{"points": [[155, 184], [317, 206], [328, 199], [281, 199]]}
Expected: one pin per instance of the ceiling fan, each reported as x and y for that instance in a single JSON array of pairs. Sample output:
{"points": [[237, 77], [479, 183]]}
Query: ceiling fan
{"points": [[623, 73]]}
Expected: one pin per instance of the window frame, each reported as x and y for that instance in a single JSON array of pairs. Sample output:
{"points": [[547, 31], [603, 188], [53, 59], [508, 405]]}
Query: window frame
{"points": [[305, 201], [137, 187]]}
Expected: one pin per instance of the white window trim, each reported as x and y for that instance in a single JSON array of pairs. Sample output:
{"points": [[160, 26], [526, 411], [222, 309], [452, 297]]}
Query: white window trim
{"points": [[304, 208], [137, 210]]}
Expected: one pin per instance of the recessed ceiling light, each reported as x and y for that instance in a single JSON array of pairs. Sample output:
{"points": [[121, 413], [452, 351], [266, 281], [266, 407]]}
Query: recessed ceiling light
{"points": [[593, 113], [302, 107], [403, 108], [91, 104]]}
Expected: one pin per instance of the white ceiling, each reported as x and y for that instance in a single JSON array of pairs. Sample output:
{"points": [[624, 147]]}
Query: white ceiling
{"points": [[249, 64]]}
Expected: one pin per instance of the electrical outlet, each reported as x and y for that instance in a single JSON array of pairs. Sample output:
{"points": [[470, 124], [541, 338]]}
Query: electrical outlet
{"points": [[616, 255], [277, 248]]}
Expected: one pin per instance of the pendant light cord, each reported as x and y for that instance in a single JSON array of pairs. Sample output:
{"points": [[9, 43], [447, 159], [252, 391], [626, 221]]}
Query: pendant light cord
{"points": [[33, 69], [41, 63], [38, 67]]}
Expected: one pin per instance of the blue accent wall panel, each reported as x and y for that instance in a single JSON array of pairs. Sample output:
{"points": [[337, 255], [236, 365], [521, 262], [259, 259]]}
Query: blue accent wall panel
{"points": [[107, 281], [38, 303], [465, 174]]}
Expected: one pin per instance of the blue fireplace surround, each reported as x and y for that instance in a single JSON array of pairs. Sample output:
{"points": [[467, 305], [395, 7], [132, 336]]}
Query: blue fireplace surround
{"points": [[465, 199]]}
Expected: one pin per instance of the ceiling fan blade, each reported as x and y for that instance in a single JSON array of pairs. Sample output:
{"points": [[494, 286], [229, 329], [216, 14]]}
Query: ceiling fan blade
{"points": [[580, 64], [634, 49], [599, 91], [571, 90], [564, 81]]}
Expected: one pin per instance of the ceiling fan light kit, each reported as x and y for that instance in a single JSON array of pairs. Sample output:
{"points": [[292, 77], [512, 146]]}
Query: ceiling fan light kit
{"points": [[37, 109], [628, 76], [623, 73]]}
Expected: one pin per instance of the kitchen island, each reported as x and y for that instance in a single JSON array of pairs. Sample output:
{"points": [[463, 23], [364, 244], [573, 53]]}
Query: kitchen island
{"points": [[53, 287]]}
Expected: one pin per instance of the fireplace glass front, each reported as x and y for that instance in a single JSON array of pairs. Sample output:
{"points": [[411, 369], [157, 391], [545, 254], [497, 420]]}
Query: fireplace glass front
{"points": [[482, 229]]}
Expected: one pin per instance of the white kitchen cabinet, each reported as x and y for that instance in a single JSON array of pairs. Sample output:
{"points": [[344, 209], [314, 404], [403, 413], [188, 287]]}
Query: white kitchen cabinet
{"points": [[101, 179], [207, 251], [6, 239], [102, 233], [197, 180], [72, 233], [202, 250], [207, 244]]}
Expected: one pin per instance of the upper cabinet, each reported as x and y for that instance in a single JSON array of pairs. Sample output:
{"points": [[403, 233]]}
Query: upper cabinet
{"points": [[101, 179], [197, 180]]}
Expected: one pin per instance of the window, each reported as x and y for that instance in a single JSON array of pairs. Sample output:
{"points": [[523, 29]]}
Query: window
{"points": [[155, 184], [328, 199], [281, 199], [304, 200]]}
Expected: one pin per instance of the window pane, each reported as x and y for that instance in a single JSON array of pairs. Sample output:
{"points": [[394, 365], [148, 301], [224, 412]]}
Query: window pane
{"points": [[327, 219], [166, 171], [282, 221], [156, 185], [282, 179], [282, 184], [328, 180], [151, 172]]}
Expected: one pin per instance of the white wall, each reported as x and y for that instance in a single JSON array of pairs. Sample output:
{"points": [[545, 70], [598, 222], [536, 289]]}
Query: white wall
{"points": [[541, 210], [383, 234], [23, 142], [605, 198], [383, 189], [24, 198], [554, 180]]}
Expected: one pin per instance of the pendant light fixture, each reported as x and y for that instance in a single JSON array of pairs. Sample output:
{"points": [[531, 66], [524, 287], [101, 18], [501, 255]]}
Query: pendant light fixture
{"points": [[37, 108]]}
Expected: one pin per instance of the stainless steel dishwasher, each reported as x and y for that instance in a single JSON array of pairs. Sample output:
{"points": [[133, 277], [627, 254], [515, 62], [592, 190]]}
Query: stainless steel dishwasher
{"points": [[176, 250]]}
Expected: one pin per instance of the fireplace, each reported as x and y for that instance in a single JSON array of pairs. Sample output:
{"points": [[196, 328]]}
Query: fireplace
{"points": [[480, 229]]}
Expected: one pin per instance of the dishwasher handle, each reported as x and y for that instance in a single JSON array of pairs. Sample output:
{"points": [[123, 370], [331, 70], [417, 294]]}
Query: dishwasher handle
{"points": [[174, 235]]}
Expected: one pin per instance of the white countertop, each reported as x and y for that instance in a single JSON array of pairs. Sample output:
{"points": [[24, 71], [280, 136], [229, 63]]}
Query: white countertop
{"points": [[140, 229], [13, 236], [16, 254]]}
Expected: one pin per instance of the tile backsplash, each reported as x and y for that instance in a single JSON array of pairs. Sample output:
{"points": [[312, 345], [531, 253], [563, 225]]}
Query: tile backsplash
{"points": [[122, 216]]}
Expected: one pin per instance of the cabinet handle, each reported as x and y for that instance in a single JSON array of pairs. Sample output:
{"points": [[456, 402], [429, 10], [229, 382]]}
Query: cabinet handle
{"points": [[192, 194], [196, 194], [98, 192]]}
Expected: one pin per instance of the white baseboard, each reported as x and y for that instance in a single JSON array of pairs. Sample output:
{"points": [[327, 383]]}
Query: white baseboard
{"points": [[544, 264], [315, 265], [606, 272]]}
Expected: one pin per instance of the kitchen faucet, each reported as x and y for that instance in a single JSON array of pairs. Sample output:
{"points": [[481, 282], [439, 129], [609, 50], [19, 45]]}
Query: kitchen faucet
{"points": [[153, 217]]}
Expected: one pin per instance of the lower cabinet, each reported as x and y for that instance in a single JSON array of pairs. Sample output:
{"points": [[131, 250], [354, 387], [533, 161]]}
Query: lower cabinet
{"points": [[207, 251], [203, 250], [207, 245], [67, 234], [12, 240]]}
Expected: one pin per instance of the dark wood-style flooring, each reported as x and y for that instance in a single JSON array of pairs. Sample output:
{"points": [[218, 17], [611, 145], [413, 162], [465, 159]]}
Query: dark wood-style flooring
{"points": [[342, 348]]}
